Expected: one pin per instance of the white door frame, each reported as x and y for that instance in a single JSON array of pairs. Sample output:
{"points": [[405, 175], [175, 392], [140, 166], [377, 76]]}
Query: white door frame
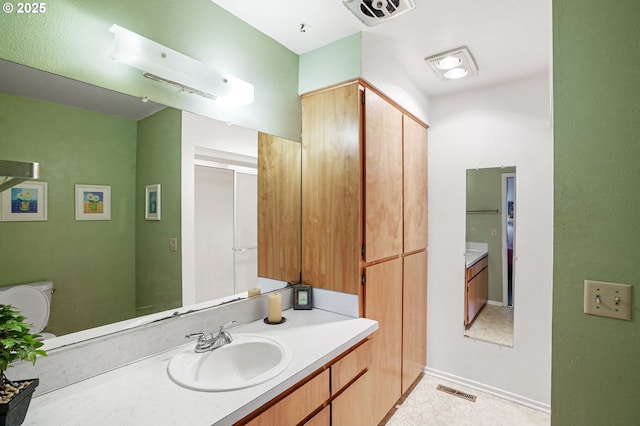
{"points": [[505, 266]]}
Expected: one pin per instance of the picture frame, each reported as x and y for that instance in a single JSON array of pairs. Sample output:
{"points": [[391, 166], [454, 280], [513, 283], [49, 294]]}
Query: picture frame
{"points": [[153, 202], [25, 202], [93, 202], [302, 297]]}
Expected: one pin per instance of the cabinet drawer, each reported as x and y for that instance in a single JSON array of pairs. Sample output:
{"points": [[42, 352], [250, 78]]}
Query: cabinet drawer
{"points": [[296, 406], [350, 366], [477, 267]]}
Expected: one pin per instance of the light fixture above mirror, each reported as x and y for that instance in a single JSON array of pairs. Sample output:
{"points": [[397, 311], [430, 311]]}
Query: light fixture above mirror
{"points": [[165, 65], [453, 64]]}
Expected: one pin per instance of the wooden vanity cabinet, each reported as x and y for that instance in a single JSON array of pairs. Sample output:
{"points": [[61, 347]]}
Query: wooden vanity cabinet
{"points": [[296, 406], [476, 289], [334, 395], [364, 217], [323, 418]]}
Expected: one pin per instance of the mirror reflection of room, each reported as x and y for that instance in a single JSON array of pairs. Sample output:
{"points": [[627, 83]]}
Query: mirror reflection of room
{"points": [[129, 267], [489, 286]]}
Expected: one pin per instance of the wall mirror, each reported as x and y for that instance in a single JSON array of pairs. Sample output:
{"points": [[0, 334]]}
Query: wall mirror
{"points": [[129, 267], [489, 286]]}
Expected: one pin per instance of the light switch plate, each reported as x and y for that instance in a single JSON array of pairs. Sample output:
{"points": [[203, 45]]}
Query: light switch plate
{"points": [[607, 299]]}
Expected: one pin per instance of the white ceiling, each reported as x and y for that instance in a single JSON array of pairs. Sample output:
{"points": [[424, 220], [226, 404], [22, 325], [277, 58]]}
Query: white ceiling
{"points": [[509, 39]]}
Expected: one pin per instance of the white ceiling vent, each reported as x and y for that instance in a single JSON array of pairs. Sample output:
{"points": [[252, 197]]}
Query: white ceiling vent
{"points": [[374, 12]]}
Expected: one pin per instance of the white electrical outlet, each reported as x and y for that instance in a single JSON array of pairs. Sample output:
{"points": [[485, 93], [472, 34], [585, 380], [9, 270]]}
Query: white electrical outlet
{"points": [[494, 232], [607, 299], [473, 230], [173, 244]]}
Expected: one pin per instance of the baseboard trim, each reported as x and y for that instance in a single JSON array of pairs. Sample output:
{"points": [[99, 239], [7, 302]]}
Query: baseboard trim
{"points": [[500, 393]]}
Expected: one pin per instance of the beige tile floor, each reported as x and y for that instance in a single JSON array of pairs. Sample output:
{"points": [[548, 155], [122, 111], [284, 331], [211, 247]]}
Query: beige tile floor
{"points": [[493, 324], [426, 406]]}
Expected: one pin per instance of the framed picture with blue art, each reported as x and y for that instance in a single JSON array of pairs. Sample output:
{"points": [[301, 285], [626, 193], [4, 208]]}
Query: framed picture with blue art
{"points": [[93, 202], [152, 205], [26, 201]]}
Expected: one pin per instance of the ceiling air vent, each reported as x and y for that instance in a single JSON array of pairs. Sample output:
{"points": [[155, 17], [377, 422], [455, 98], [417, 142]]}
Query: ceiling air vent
{"points": [[374, 12]]}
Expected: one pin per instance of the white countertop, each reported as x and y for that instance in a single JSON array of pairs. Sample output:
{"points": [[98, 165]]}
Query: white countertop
{"points": [[474, 252], [142, 393], [471, 257]]}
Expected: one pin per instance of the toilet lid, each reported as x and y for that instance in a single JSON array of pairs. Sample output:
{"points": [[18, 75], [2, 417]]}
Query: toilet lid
{"points": [[31, 303]]}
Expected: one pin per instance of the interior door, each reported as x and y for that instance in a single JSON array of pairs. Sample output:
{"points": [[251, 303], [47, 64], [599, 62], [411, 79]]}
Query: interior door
{"points": [[245, 247], [213, 222]]}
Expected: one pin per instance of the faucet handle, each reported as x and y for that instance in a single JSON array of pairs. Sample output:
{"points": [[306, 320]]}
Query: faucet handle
{"points": [[200, 335]]}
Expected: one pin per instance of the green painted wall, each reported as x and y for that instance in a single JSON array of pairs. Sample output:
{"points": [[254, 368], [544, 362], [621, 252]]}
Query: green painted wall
{"points": [[91, 262], [334, 63], [72, 39], [158, 270], [484, 192], [595, 374]]}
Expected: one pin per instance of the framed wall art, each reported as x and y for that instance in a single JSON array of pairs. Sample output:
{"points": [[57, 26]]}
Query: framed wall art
{"points": [[152, 202], [93, 202], [26, 201]]}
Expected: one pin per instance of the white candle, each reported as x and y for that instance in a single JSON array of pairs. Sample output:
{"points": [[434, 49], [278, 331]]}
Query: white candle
{"points": [[254, 292], [275, 307]]}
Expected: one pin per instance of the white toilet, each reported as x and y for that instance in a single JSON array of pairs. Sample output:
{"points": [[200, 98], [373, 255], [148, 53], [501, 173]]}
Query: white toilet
{"points": [[33, 300]]}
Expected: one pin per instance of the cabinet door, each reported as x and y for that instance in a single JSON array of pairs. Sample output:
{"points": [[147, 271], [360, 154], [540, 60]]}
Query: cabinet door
{"points": [[415, 185], [331, 241], [383, 178], [414, 318], [279, 198], [383, 303], [483, 287], [353, 406], [476, 294]]}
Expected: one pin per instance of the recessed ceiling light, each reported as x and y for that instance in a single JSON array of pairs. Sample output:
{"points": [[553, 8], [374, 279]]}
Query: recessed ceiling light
{"points": [[453, 64], [456, 73], [448, 63]]}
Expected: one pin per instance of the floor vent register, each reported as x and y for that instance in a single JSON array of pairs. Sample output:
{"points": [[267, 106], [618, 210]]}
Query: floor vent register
{"points": [[457, 393]]}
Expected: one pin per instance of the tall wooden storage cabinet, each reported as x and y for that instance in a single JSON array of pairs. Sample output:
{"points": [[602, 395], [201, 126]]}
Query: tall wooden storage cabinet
{"points": [[364, 224]]}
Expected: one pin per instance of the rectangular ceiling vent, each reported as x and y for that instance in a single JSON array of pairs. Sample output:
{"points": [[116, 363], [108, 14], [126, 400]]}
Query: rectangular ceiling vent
{"points": [[374, 12]]}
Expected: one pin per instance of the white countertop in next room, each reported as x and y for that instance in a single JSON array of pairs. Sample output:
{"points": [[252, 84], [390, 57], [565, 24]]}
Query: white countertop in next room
{"points": [[142, 393], [474, 252]]}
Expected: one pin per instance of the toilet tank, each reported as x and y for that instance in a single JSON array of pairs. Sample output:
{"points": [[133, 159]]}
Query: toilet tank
{"points": [[44, 286], [34, 306]]}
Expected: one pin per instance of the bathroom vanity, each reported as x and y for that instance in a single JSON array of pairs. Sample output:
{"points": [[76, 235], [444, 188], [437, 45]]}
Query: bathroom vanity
{"points": [[326, 348], [476, 281]]}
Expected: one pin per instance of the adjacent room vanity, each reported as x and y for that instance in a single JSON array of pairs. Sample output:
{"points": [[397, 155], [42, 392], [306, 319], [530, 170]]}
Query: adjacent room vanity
{"points": [[476, 281]]}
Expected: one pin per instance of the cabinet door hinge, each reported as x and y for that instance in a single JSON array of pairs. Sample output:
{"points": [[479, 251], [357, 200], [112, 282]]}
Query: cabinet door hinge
{"points": [[362, 98], [363, 251], [363, 279]]}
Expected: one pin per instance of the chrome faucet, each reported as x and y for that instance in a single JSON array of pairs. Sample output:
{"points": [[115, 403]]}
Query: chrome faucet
{"points": [[209, 342]]}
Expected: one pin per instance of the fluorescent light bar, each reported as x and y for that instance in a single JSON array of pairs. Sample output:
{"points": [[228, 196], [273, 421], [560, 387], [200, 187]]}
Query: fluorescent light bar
{"points": [[453, 64], [163, 64]]}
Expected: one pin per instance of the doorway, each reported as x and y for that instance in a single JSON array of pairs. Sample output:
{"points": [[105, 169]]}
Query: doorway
{"points": [[508, 236], [226, 229]]}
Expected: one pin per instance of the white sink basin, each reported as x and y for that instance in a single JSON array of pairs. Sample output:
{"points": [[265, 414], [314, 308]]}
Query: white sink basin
{"points": [[247, 361]]}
